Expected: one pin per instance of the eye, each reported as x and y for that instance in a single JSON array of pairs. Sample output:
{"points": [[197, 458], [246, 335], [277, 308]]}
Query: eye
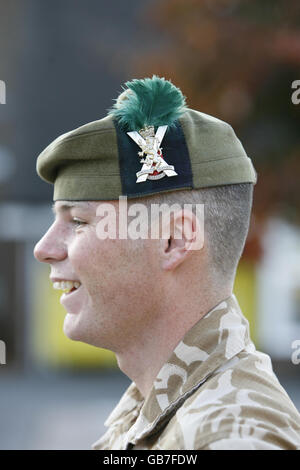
{"points": [[78, 223]]}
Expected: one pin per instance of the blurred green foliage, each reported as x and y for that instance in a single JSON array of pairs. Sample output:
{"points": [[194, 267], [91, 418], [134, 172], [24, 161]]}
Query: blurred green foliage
{"points": [[237, 60]]}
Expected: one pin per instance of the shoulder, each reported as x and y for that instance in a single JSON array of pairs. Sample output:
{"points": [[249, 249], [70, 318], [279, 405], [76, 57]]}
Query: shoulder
{"points": [[242, 406]]}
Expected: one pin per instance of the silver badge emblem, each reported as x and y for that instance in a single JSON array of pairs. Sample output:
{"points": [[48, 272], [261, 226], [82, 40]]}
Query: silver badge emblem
{"points": [[154, 166]]}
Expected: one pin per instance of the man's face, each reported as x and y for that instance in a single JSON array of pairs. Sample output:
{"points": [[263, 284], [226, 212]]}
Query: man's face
{"points": [[118, 279]]}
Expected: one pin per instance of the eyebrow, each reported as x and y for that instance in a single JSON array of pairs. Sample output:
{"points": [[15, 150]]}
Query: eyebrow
{"points": [[68, 205]]}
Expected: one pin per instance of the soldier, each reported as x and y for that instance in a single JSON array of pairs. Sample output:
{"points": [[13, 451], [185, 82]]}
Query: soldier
{"points": [[164, 305]]}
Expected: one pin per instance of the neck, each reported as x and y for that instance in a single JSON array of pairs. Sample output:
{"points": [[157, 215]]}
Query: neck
{"points": [[142, 360]]}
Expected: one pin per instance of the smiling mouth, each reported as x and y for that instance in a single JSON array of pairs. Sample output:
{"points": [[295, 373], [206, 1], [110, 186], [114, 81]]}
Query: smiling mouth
{"points": [[67, 286]]}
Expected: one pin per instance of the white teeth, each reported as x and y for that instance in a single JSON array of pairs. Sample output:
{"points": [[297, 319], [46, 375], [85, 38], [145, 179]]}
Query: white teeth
{"points": [[66, 285]]}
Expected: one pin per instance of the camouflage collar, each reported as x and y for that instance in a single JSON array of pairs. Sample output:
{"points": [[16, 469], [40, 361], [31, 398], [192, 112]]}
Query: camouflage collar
{"points": [[213, 341]]}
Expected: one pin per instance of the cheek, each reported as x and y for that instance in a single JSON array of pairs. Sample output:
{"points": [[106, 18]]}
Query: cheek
{"points": [[94, 260], [82, 252], [113, 269]]}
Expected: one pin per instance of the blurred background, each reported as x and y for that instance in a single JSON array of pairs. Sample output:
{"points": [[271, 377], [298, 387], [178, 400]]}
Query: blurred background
{"points": [[61, 63]]}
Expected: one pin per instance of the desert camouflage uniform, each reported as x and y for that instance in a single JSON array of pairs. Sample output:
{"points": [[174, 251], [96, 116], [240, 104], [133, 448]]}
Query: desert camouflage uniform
{"points": [[215, 392]]}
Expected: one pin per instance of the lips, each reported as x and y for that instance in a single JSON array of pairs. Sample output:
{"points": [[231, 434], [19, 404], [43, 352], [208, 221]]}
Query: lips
{"points": [[71, 298]]}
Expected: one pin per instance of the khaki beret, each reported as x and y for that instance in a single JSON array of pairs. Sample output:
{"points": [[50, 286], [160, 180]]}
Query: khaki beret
{"points": [[149, 142]]}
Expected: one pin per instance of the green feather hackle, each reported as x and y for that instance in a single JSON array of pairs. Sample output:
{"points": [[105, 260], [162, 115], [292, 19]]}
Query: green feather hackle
{"points": [[148, 102]]}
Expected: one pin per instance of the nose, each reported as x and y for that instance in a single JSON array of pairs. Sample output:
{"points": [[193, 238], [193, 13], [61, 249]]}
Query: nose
{"points": [[51, 247]]}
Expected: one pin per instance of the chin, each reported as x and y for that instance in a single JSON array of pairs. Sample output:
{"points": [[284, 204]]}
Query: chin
{"points": [[72, 328], [78, 331]]}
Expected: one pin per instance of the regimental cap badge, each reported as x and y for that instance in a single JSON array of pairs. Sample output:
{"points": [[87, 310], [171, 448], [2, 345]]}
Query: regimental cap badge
{"points": [[146, 105]]}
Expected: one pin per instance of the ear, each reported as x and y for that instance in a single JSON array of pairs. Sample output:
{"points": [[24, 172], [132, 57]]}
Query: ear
{"points": [[186, 234]]}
